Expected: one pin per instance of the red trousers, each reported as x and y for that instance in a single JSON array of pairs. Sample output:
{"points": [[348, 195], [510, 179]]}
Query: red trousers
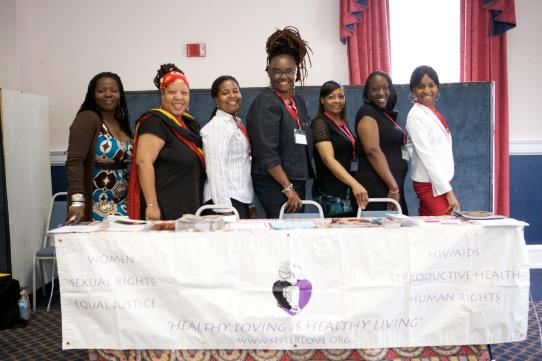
{"points": [[429, 204]]}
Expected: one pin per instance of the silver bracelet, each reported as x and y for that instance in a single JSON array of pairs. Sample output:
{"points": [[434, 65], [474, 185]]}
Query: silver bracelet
{"points": [[77, 204], [78, 197]]}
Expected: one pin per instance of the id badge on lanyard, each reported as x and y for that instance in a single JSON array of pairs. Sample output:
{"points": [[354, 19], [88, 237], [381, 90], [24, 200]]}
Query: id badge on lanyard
{"points": [[354, 165], [300, 137]]}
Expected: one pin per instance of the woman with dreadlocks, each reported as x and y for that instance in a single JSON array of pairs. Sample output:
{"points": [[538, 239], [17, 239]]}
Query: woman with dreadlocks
{"points": [[166, 179], [99, 150], [279, 127]]}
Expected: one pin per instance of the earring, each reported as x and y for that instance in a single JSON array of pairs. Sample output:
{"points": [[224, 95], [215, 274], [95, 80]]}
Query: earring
{"points": [[437, 98], [412, 98]]}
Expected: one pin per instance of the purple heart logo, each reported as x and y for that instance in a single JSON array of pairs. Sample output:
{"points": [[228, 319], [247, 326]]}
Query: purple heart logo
{"points": [[292, 291]]}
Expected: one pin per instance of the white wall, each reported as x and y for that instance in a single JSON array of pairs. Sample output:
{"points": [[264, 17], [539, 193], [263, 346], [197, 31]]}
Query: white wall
{"points": [[9, 65], [54, 47], [525, 72], [66, 42]]}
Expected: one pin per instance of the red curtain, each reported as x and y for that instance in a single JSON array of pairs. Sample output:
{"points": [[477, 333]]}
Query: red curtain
{"points": [[365, 27], [483, 58]]}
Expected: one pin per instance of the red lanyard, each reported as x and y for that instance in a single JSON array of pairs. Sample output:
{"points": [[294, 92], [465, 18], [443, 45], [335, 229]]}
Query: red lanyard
{"points": [[243, 130], [441, 118], [346, 131], [292, 109], [396, 126]]}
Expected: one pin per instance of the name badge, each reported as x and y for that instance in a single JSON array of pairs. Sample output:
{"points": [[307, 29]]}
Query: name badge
{"points": [[354, 165], [300, 137]]}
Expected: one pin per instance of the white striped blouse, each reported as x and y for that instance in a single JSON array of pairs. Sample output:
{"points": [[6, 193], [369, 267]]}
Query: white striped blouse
{"points": [[227, 158]]}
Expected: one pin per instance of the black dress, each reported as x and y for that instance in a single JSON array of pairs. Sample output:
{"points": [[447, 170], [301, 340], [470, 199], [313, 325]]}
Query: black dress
{"points": [[391, 141], [324, 130], [179, 175]]}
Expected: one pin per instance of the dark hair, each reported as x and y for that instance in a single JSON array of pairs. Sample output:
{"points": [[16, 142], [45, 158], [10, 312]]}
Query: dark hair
{"points": [[163, 70], [419, 72], [392, 101], [288, 41], [327, 88], [216, 86], [121, 112]]}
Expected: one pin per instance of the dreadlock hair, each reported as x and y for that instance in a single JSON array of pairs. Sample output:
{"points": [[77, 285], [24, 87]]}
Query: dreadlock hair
{"points": [[327, 88], [288, 41], [163, 70], [121, 112], [392, 101], [216, 86]]}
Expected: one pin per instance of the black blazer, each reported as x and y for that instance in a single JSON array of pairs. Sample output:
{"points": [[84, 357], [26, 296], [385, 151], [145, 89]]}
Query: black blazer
{"points": [[271, 131]]}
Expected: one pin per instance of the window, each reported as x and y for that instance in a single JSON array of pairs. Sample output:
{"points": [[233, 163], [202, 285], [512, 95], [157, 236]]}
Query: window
{"points": [[425, 32]]}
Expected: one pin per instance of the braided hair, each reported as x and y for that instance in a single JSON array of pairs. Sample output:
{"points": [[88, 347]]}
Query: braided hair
{"points": [[163, 70], [121, 112], [288, 41]]}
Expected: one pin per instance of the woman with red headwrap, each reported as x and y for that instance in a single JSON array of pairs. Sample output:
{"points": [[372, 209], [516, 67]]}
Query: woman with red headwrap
{"points": [[166, 180]]}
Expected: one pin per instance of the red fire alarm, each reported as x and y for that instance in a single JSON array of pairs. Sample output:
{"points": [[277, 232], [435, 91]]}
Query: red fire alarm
{"points": [[195, 50]]}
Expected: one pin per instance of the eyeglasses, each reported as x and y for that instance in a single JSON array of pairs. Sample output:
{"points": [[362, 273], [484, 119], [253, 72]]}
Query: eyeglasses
{"points": [[278, 73]]}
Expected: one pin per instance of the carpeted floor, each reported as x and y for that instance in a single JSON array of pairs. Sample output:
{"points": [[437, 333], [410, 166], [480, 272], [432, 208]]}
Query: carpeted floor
{"points": [[41, 339]]}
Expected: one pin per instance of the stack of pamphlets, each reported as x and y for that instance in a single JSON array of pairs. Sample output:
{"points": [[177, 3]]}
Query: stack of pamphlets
{"points": [[477, 215], [199, 223], [402, 220], [125, 224]]}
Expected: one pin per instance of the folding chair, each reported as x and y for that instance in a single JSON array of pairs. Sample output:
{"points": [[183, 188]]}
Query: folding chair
{"points": [[56, 216], [320, 213], [218, 206], [398, 210]]}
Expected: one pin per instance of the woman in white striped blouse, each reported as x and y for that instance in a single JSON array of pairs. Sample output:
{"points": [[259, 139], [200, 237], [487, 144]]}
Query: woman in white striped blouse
{"points": [[227, 150]]}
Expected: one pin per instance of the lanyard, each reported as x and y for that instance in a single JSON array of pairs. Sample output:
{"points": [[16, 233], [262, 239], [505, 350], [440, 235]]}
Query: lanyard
{"points": [[292, 109], [396, 126], [346, 132], [243, 130], [439, 116]]}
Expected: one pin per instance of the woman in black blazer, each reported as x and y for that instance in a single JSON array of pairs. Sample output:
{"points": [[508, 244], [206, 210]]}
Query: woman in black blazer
{"points": [[279, 128]]}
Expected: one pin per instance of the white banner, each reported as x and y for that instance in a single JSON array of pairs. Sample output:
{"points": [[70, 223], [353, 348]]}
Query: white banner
{"points": [[319, 288]]}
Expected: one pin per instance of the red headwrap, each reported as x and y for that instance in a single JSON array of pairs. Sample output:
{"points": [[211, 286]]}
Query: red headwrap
{"points": [[172, 76]]}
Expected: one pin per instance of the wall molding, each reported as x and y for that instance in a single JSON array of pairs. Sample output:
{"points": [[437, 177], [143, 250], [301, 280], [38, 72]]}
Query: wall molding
{"points": [[535, 255], [525, 146], [58, 157]]}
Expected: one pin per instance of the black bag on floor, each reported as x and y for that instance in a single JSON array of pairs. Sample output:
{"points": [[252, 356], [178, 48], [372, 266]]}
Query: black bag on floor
{"points": [[9, 304]]}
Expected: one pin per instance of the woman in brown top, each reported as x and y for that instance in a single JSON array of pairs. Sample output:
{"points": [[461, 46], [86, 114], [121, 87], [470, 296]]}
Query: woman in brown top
{"points": [[99, 149]]}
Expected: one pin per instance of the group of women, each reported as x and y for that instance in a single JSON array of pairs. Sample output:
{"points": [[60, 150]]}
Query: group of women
{"points": [[176, 166]]}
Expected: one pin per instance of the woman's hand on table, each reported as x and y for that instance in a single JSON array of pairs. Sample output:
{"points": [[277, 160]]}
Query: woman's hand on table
{"points": [[453, 203], [152, 213], [75, 215]]}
